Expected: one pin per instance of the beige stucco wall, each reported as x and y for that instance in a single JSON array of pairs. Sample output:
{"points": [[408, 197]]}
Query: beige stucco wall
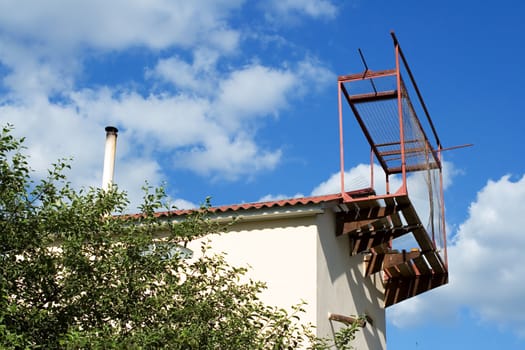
{"points": [[300, 258], [343, 289], [281, 253]]}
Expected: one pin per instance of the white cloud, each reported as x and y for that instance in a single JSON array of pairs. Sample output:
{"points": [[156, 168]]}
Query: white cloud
{"points": [[44, 42], [223, 141], [312, 8], [224, 157], [356, 178], [278, 197], [484, 259], [119, 24], [184, 204], [199, 77], [208, 118], [253, 91]]}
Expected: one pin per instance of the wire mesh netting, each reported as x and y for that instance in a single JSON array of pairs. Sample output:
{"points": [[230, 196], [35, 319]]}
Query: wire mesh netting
{"points": [[378, 112]]}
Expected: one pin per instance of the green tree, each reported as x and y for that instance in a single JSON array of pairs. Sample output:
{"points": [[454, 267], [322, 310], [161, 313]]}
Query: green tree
{"points": [[77, 272]]}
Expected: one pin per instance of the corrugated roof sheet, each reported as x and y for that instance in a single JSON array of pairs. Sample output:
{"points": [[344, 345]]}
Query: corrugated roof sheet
{"points": [[272, 204]]}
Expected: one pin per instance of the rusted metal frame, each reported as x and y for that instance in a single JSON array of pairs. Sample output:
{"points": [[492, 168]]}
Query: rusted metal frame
{"points": [[412, 218], [375, 198], [371, 167], [366, 75], [410, 168], [344, 195], [366, 70], [390, 158], [407, 150], [373, 97], [454, 147], [443, 221], [372, 213], [363, 126], [403, 188], [396, 143], [411, 107], [416, 88]]}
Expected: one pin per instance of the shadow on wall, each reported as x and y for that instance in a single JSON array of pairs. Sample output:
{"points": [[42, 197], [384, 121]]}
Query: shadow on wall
{"points": [[348, 291]]}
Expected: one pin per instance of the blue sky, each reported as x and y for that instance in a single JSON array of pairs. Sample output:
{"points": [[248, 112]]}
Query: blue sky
{"points": [[238, 100]]}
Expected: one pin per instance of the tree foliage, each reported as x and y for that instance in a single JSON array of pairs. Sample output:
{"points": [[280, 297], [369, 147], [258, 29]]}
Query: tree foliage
{"points": [[77, 272]]}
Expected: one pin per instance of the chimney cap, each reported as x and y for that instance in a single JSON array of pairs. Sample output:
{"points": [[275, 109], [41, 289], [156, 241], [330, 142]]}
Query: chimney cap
{"points": [[111, 129]]}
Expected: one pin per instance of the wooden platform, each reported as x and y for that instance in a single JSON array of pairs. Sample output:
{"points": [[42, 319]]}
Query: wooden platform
{"points": [[372, 226]]}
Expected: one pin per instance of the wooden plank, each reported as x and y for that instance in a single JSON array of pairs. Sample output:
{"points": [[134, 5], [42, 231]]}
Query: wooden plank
{"points": [[420, 234], [380, 238], [353, 215], [422, 238], [355, 226], [392, 270], [405, 270], [365, 225], [368, 213], [424, 284], [404, 290], [391, 288], [375, 264], [363, 241], [355, 243], [435, 262], [381, 249], [414, 287], [438, 280], [422, 265], [396, 220], [393, 259], [398, 289], [380, 224]]}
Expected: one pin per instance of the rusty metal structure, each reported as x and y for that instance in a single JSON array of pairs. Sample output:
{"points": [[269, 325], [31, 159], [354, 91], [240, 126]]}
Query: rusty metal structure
{"points": [[395, 121]]}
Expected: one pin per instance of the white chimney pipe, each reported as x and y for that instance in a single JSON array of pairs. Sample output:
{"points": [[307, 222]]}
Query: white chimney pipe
{"points": [[109, 157]]}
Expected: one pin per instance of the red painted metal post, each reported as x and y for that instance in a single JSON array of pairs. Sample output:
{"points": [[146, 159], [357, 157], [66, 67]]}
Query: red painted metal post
{"points": [[371, 168], [442, 197], [341, 143], [401, 128]]}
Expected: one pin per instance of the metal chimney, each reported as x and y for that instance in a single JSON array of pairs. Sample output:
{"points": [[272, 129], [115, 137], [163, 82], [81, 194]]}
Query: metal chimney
{"points": [[109, 157]]}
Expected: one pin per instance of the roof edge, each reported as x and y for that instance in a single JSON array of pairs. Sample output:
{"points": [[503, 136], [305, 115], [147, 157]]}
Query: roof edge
{"points": [[283, 203]]}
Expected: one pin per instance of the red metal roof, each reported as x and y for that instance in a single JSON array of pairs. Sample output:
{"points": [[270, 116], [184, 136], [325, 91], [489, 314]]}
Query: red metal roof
{"points": [[272, 204]]}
